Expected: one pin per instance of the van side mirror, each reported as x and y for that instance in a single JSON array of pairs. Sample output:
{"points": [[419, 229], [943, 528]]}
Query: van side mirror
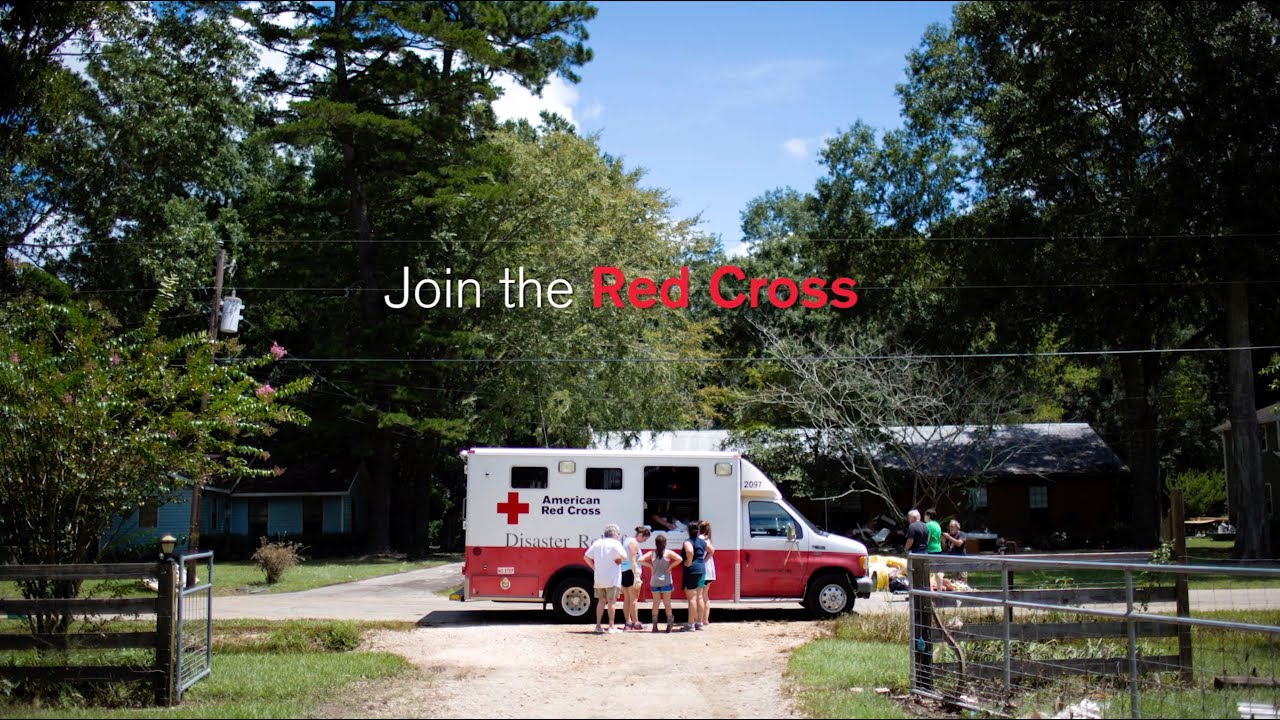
{"points": [[791, 532]]}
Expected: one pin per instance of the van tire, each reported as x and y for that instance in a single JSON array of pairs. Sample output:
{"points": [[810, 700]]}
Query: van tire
{"points": [[830, 595], [573, 600]]}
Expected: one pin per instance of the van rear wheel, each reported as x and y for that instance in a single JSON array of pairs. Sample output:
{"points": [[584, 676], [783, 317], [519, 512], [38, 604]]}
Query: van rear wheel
{"points": [[572, 600], [829, 596]]}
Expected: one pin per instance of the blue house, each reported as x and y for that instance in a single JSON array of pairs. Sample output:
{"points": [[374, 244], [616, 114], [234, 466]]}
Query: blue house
{"points": [[307, 498], [313, 500]]}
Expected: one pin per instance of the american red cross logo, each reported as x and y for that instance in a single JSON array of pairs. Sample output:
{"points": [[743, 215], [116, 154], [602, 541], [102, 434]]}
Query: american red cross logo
{"points": [[513, 508]]}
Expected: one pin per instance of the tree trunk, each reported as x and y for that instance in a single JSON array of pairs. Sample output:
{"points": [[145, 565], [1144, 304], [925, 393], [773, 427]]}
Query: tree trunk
{"points": [[380, 468], [1140, 417], [1253, 539], [382, 465]]}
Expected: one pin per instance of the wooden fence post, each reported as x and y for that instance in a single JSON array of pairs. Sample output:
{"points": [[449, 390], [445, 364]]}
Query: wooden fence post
{"points": [[1182, 596], [165, 626], [921, 624]]}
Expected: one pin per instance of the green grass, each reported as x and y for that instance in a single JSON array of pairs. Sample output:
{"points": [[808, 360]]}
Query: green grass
{"points": [[261, 669], [1200, 551], [253, 685], [834, 678], [242, 576]]}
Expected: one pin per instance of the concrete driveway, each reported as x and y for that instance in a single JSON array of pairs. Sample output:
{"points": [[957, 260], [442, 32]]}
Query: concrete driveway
{"points": [[415, 596], [407, 596]]}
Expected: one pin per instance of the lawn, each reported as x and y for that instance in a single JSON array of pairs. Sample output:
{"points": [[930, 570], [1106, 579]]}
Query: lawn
{"points": [[1200, 551], [243, 577], [260, 670], [837, 676]]}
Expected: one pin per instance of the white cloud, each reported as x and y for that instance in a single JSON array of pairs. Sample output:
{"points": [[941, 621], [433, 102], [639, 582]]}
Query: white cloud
{"points": [[516, 102], [797, 148], [593, 111]]}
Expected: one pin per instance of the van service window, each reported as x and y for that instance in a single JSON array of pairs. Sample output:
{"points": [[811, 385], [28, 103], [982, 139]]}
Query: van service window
{"points": [[528, 478], [670, 496], [604, 478], [769, 519]]}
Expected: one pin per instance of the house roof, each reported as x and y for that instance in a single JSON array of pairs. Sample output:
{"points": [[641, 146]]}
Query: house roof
{"points": [[1268, 414], [304, 477], [944, 450]]}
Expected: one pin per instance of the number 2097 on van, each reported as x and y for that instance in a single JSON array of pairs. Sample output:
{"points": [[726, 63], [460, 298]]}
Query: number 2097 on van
{"points": [[532, 513]]}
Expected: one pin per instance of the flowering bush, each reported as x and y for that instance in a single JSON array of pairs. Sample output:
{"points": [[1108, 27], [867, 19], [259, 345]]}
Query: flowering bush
{"points": [[95, 421]]}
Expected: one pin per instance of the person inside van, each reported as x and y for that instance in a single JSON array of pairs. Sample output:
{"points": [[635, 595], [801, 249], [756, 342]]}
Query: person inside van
{"points": [[663, 518]]}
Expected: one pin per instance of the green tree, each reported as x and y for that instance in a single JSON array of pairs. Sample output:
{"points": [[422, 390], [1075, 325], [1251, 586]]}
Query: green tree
{"points": [[1204, 492], [153, 178], [40, 101], [99, 419], [389, 99], [1111, 143]]}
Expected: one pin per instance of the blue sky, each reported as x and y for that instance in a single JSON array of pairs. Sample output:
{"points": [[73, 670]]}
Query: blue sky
{"points": [[720, 102]]}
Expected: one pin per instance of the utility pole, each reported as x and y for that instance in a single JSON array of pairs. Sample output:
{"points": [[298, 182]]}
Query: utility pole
{"points": [[193, 530]]}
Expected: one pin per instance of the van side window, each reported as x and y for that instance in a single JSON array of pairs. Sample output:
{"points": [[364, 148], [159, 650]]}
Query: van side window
{"points": [[670, 497], [604, 478], [769, 519], [529, 478]]}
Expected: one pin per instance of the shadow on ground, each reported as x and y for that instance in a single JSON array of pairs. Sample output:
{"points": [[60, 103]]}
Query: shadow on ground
{"points": [[533, 615]]}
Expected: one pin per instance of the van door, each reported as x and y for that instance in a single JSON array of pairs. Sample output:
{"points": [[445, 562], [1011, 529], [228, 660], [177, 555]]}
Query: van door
{"points": [[774, 551]]}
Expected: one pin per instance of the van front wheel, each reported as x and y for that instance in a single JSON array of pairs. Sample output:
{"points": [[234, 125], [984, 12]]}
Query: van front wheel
{"points": [[572, 600], [829, 596]]}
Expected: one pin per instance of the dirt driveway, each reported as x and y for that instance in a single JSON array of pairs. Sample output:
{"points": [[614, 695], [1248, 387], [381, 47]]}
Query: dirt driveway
{"points": [[518, 663]]}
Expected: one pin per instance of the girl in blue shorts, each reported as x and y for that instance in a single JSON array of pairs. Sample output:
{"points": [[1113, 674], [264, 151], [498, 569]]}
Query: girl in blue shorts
{"points": [[660, 560]]}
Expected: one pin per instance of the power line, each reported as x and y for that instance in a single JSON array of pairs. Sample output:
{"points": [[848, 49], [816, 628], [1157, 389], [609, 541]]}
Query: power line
{"points": [[860, 287], [792, 358], [798, 238]]}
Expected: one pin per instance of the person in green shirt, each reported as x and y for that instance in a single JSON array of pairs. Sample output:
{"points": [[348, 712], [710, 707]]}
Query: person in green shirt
{"points": [[935, 531], [934, 546]]}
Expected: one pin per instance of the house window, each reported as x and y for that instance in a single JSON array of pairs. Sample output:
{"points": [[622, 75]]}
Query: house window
{"points": [[257, 518], [604, 478], [978, 498], [148, 516], [312, 516], [213, 513], [1038, 497], [529, 478]]}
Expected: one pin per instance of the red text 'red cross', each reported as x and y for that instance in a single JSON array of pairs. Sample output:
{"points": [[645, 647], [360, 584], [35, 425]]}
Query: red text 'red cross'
{"points": [[513, 508]]}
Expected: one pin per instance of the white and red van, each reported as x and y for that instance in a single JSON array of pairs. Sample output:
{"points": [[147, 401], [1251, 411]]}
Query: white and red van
{"points": [[531, 514]]}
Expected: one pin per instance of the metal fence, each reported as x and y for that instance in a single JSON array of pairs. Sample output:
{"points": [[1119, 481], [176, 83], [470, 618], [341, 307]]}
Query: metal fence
{"points": [[194, 632], [1098, 637]]}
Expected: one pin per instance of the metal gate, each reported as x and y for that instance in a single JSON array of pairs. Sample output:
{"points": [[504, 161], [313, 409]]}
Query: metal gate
{"points": [[193, 635]]}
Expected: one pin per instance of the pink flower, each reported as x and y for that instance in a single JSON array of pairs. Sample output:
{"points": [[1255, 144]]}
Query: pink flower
{"points": [[66, 398], [265, 391], [115, 359], [13, 358], [277, 351]]}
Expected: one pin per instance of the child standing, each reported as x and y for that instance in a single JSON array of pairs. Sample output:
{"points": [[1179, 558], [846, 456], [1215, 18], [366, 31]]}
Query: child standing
{"points": [[660, 561], [710, 574]]}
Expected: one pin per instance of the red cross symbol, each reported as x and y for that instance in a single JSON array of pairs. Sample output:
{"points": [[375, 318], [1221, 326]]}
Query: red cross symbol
{"points": [[513, 508]]}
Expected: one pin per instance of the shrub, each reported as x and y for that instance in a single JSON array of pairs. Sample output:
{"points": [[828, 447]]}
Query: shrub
{"points": [[274, 558], [306, 636]]}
